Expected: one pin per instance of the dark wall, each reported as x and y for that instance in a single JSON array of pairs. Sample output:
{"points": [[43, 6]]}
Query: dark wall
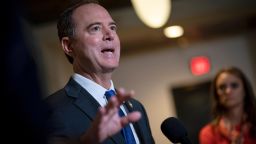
{"points": [[193, 107]]}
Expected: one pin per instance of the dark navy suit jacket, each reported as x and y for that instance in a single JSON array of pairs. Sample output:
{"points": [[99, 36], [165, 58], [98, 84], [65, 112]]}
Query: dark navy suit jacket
{"points": [[72, 110]]}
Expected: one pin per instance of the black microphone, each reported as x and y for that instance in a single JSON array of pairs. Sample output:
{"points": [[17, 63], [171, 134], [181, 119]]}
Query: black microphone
{"points": [[174, 130]]}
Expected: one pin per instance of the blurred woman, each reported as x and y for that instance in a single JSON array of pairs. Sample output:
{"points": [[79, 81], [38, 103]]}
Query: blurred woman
{"points": [[234, 110]]}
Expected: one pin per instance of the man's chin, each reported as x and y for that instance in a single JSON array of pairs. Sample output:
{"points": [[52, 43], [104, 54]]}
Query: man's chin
{"points": [[110, 69]]}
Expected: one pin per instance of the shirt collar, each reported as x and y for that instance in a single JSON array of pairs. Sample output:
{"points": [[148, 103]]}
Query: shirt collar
{"points": [[96, 90]]}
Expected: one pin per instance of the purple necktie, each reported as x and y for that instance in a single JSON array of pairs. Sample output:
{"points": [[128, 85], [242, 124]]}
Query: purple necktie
{"points": [[126, 131]]}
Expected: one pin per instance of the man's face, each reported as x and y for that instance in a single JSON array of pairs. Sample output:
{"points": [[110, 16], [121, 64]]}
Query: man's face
{"points": [[96, 45]]}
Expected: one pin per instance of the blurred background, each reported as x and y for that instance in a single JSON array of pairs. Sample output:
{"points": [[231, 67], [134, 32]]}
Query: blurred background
{"points": [[171, 76]]}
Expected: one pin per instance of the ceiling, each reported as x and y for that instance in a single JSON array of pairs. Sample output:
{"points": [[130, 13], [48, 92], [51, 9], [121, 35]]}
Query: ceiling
{"points": [[38, 12], [201, 20]]}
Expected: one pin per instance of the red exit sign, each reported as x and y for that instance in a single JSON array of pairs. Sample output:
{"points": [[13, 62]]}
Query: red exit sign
{"points": [[200, 65]]}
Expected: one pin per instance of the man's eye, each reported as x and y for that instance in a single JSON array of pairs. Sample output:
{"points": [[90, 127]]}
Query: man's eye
{"points": [[114, 28], [95, 28]]}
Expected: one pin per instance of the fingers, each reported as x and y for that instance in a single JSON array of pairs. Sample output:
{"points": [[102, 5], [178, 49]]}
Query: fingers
{"points": [[122, 95], [131, 117], [107, 121], [112, 107]]}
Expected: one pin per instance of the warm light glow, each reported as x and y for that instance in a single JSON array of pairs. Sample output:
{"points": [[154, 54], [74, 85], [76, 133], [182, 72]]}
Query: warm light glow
{"points": [[173, 31], [154, 13]]}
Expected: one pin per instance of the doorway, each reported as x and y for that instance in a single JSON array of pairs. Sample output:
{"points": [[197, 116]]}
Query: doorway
{"points": [[193, 107]]}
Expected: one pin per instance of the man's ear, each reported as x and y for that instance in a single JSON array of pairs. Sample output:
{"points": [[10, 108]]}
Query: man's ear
{"points": [[66, 46]]}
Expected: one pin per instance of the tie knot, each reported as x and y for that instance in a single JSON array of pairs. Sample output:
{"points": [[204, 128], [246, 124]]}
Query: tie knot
{"points": [[109, 94]]}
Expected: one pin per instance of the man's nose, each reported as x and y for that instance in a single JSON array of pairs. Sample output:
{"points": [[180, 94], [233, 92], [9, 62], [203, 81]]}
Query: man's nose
{"points": [[108, 34]]}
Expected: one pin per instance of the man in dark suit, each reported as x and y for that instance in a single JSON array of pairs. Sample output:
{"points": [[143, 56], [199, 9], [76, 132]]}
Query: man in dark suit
{"points": [[80, 112]]}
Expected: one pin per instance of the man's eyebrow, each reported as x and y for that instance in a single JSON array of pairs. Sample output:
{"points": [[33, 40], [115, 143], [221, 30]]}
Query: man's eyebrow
{"points": [[95, 23], [112, 23], [98, 23]]}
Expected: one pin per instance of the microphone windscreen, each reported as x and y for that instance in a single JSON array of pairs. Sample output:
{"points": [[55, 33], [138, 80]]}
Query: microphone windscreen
{"points": [[174, 130]]}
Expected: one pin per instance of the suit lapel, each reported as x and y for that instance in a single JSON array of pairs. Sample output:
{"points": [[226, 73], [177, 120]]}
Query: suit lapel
{"points": [[137, 125], [83, 100], [86, 103]]}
